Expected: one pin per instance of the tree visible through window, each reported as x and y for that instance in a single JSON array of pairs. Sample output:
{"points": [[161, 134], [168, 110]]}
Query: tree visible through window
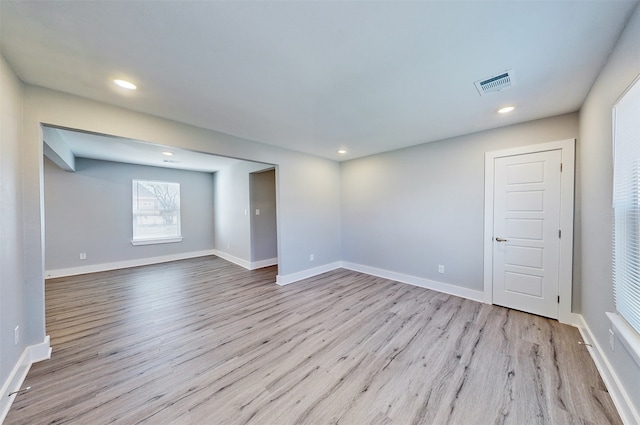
{"points": [[156, 211]]}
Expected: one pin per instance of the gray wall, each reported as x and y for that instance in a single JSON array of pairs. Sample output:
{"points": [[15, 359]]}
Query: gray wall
{"points": [[14, 302], [90, 211], [412, 209], [264, 242], [308, 187], [391, 202], [595, 155], [232, 209]]}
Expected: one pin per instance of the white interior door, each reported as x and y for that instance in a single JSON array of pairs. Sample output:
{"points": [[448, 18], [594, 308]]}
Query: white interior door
{"points": [[526, 232]]}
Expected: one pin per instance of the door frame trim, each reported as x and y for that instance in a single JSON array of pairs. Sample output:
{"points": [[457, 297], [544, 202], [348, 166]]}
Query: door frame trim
{"points": [[565, 278]]}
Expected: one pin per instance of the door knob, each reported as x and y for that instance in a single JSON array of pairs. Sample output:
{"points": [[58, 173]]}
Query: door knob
{"points": [[500, 240]]}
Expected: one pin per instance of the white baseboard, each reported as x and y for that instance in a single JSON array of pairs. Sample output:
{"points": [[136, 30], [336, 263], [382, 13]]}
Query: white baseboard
{"points": [[458, 291], [40, 352], [249, 265], [305, 274], [264, 263], [622, 401], [94, 268], [399, 277], [30, 355], [572, 319], [235, 260]]}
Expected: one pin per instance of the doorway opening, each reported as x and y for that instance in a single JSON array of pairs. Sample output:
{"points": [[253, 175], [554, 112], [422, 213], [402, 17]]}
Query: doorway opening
{"points": [[264, 231], [88, 205]]}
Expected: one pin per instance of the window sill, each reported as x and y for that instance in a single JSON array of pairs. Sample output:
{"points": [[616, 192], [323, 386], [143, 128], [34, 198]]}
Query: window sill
{"points": [[627, 335], [155, 241]]}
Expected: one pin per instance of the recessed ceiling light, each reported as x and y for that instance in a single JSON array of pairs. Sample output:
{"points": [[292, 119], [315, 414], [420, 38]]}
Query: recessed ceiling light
{"points": [[167, 153], [342, 151], [125, 84], [506, 109]]}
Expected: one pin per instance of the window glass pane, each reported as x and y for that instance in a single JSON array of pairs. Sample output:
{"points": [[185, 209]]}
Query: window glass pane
{"points": [[156, 210], [626, 205]]}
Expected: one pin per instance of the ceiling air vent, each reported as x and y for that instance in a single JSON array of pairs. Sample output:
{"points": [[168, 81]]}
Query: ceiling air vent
{"points": [[495, 83]]}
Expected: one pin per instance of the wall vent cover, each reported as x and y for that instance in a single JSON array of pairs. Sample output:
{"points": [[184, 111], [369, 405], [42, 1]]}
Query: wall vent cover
{"points": [[495, 83]]}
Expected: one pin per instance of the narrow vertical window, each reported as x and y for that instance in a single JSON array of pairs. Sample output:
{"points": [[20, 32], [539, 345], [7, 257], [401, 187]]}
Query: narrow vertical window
{"points": [[626, 206], [156, 212]]}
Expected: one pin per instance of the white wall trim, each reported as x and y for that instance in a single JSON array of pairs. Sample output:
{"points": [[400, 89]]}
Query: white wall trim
{"points": [[264, 263], [158, 241], [622, 401], [235, 260], [573, 319], [40, 352], [249, 265], [470, 294], [305, 274], [30, 355], [567, 147], [627, 335], [50, 274]]}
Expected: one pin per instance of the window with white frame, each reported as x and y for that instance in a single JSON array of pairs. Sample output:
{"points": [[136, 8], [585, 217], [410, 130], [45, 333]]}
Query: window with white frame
{"points": [[156, 212], [626, 206]]}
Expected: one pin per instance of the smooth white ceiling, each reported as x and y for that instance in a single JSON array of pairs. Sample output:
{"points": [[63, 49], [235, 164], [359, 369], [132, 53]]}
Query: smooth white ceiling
{"points": [[368, 76], [117, 149]]}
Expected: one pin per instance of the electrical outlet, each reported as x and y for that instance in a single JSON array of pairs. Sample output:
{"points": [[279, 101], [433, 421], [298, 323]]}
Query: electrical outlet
{"points": [[16, 335], [612, 340], [257, 211], [440, 268], [83, 255], [311, 258]]}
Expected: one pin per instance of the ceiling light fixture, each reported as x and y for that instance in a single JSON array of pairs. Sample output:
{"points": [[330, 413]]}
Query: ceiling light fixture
{"points": [[506, 109], [342, 151], [167, 153], [125, 84]]}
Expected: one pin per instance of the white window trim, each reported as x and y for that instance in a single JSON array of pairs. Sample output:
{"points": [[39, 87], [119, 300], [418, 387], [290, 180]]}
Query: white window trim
{"points": [[155, 241], [162, 240], [626, 334]]}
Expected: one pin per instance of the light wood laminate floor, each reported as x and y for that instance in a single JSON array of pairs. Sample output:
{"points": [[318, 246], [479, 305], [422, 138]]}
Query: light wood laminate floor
{"points": [[204, 341]]}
